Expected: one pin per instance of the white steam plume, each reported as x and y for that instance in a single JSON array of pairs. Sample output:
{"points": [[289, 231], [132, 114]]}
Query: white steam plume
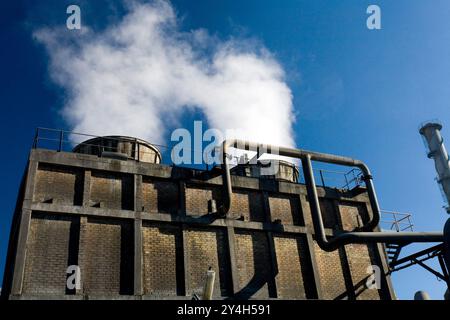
{"points": [[137, 78]]}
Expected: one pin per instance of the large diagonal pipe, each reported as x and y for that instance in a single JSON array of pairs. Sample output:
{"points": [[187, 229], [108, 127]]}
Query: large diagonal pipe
{"points": [[306, 157]]}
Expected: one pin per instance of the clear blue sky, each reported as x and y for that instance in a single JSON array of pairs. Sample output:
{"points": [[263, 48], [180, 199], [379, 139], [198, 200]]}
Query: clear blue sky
{"points": [[357, 92]]}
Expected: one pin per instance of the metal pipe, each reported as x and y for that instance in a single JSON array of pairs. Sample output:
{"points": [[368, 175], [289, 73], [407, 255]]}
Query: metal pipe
{"points": [[209, 285], [319, 229], [299, 154], [431, 133]]}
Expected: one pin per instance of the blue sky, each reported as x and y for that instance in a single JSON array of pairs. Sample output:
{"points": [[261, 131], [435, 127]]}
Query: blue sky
{"points": [[356, 92]]}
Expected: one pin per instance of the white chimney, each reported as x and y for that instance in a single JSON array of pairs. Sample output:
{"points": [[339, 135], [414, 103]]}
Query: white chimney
{"points": [[436, 150]]}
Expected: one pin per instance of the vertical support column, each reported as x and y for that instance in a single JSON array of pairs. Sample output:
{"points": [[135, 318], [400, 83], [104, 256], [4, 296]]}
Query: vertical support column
{"points": [[24, 229], [266, 206], [86, 187], [315, 268], [187, 287], [272, 284], [81, 254], [182, 198], [138, 285], [82, 234], [138, 258], [19, 265], [232, 257], [343, 253], [138, 201]]}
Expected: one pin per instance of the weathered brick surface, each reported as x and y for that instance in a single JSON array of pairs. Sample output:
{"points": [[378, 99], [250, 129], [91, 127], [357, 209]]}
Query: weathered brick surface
{"points": [[160, 245], [207, 248], [108, 251], [112, 190], [160, 196], [248, 204], [170, 251], [197, 198], [331, 273], [49, 249], [253, 263], [286, 208], [353, 215], [294, 278], [60, 185], [359, 259]]}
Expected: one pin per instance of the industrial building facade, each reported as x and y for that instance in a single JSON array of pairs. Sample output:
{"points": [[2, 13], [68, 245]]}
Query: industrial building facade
{"points": [[139, 229]]}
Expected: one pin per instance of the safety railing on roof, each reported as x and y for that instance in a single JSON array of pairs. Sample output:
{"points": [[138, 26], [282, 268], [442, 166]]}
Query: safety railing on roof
{"points": [[395, 221], [63, 140]]}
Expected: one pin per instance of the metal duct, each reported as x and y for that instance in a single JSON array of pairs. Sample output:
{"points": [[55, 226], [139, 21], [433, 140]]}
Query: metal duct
{"points": [[319, 230], [431, 133]]}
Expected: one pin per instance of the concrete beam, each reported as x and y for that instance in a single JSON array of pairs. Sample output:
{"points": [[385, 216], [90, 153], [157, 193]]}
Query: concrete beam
{"points": [[24, 229], [315, 267], [138, 258], [232, 257]]}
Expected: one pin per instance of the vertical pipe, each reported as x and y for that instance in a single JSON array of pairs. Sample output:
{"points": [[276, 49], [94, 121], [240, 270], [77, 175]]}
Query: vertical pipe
{"points": [[432, 136], [209, 285], [313, 199]]}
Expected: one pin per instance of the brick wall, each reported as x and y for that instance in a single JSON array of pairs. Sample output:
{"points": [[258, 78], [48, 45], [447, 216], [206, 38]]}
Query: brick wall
{"points": [[277, 266], [207, 248], [160, 196], [294, 278], [331, 273], [60, 185], [113, 191], [108, 252], [248, 204], [286, 208], [359, 258], [160, 245], [254, 264], [197, 199], [50, 250], [353, 215]]}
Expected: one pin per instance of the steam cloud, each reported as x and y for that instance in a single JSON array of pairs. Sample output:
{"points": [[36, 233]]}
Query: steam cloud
{"points": [[138, 77]]}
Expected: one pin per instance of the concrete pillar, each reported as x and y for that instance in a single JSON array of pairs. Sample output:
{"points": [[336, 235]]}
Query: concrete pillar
{"points": [[185, 260], [315, 268], [87, 187], [181, 198], [82, 252], [138, 200], [19, 265], [25, 221], [272, 285], [138, 263], [232, 257]]}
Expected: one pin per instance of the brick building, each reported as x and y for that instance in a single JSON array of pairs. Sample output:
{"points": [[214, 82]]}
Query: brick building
{"points": [[139, 229]]}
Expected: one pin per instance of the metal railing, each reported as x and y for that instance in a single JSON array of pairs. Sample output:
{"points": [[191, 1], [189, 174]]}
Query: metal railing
{"points": [[340, 179], [63, 140], [396, 221], [66, 141]]}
